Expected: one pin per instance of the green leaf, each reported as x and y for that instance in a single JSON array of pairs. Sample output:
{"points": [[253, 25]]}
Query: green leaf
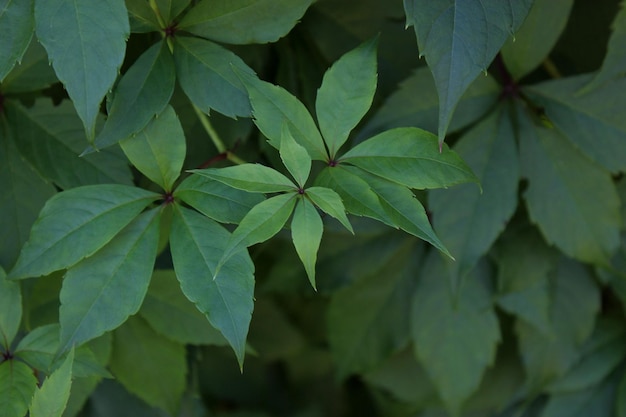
{"points": [[32, 74], [218, 201], [197, 245], [330, 203], [51, 399], [295, 157], [489, 149], [346, 94], [172, 315], [459, 40], [97, 294], [455, 336], [17, 22], [254, 178], [170, 9], [411, 157], [536, 37], [306, 232], [273, 106], [597, 401], [244, 21], [10, 310], [367, 320], [205, 72], [17, 385], [51, 138], [149, 365], [75, 224], [141, 94], [158, 151], [86, 54], [585, 223], [142, 17]]}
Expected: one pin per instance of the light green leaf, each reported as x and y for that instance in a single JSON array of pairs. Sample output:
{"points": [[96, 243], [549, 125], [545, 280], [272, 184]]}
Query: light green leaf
{"points": [[585, 223], [205, 72], [17, 385], [141, 94], [51, 399], [75, 224], [455, 336], [172, 315], [218, 201], [142, 17], [489, 149], [100, 292], [273, 106], [159, 150], [170, 9], [149, 365], [10, 310], [17, 23], [86, 54], [254, 178], [51, 138], [197, 245], [306, 232], [244, 21], [330, 203], [32, 74], [346, 94], [411, 157], [459, 40], [367, 320], [295, 157]]}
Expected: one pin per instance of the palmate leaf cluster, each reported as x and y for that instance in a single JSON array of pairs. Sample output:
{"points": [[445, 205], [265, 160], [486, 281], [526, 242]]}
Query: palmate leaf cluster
{"points": [[374, 233]]}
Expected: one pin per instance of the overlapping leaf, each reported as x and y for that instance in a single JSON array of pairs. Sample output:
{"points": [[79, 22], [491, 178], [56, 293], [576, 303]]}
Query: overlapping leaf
{"points": [[306, 233], [295, 158], [255, 178], [17, 385], [10, 310], [330, 203], [170, 9], [17, 22], [51, 399], [32, 74]]}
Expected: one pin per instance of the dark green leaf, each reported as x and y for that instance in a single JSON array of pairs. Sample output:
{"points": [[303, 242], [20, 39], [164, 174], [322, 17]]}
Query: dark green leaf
{"points": [[459, 39], [10, 310], [142, 93], [346, 94], [170, 9], [255, 178], [330, 203], [17, 23], [306, 233], [244, 21], [159, 150], [596, 401], [85, 53], [75, 224], [197, 244], [205, 72], [411, 157], [295, 157], [17, 385], [142, 17], [51, 399], [32, 74]]}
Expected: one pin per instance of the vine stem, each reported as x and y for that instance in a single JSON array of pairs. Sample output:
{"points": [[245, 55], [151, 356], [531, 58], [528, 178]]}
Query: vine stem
{"points": [[215, 137], [162, 23]]}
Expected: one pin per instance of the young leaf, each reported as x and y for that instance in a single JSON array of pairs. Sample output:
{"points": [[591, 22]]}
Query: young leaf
{"points": [[411, 157], [100, 292], [75, 224], [244, 21], [142, 93], [346, 94], [330, 203], [159, 150], [10, 310], [295, 157], [254, 178], [17, 386], [51, 399], [306, 232], [205, 73], [459, 40], [85, 53], [17, 23], [197, 244]]}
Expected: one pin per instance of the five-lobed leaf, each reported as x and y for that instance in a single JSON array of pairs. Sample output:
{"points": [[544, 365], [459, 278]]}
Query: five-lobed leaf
{"points": [[306, 233], [254, 178], [51, 399], [17, 22], [295, 157], [330, 203]]}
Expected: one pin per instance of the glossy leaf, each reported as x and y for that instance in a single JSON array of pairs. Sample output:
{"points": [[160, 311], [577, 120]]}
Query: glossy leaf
{"points": [[86, 54], [10, 310], [244, 21], [33, 73], [141, 94], [411, 157], [17, 385], [306, 232], [51, 399], [459, 40], [216, 200], [254, 178], [17, 22], [102, 291], [197, 245], [330, 203], [77, 223], [295, 157], [346, 94], [205, 72], [159, 150]]}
